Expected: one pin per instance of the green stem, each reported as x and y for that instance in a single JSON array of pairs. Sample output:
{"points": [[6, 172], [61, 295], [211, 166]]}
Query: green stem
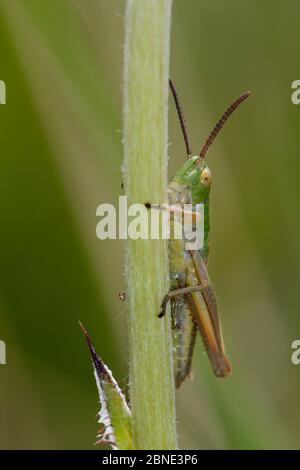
{"points": [[147, 41]]}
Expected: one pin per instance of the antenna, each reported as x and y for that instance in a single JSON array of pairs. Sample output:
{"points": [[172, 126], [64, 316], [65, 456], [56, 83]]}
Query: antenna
{"points": [[181, 119], [221, 123]]}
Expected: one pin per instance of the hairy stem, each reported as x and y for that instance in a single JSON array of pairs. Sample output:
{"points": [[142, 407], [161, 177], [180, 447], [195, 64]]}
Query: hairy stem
{"points": [[147, 41]]}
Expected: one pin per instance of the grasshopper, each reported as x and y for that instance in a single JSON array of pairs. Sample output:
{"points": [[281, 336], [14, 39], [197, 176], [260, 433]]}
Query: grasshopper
{"points": [[192, 297]]}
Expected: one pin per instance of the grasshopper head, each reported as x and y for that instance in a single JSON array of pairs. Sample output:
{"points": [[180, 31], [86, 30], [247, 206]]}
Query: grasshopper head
{"points": [[196, 175]]}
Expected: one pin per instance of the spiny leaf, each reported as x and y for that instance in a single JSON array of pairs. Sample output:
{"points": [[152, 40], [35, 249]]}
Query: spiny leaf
{"points": [[115, 414]]}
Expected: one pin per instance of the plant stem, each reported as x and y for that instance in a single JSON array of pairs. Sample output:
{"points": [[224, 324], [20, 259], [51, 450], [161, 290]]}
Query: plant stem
{"points": [[147, 41]]}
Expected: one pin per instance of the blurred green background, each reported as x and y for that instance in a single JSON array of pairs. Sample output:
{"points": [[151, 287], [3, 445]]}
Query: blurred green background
{"points": [[61, 154]]}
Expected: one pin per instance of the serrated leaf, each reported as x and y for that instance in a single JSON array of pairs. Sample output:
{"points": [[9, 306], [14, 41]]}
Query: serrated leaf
{"points": [[115, 414]]}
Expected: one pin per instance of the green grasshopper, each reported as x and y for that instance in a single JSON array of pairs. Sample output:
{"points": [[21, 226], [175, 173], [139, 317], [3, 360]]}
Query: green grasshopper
{"points": [[192, 298]]}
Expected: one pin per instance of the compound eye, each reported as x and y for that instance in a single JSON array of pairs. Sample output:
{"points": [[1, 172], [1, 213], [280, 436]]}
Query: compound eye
{"points": [[205, 177]]}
